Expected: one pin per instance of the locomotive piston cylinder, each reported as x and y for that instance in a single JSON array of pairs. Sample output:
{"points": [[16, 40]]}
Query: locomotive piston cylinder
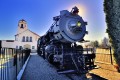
{"points": [[49, 48]]}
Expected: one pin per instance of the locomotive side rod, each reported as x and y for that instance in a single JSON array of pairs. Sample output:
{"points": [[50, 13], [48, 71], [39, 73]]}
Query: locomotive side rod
{"points": [[74, 62], [70, 71]]}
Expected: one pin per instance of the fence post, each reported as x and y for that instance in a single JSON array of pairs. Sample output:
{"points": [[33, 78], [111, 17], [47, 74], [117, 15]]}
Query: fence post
{"points": [[16, 62], [111, 55], [0, 47], [1, 60], [22, 57]]}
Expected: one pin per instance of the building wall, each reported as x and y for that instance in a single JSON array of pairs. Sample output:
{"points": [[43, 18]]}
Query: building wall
{"points": [[8, 44], [19, 41]]}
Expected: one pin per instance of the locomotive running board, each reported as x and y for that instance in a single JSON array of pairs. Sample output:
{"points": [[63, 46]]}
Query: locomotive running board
{"points": [[67, 71]]}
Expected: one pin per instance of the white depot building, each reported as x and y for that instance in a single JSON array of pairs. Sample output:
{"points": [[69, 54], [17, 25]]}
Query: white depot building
{"points": [[24, 38]]}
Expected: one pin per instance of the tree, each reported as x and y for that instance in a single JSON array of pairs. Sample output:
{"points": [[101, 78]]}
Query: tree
{"points": [[105, 43], [93, 44], [112, 12], [96, 43]]}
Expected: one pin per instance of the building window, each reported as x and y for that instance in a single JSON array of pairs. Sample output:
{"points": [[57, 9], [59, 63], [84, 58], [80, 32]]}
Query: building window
{"points": [[23, 39], [15, 38], [21, 25], [33, 47], [27, 39], [20, 47], [16, 47], [30, 39]]}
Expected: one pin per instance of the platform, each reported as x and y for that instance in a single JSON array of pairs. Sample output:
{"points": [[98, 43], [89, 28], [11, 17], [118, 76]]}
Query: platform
{"points": [[39, 69]]}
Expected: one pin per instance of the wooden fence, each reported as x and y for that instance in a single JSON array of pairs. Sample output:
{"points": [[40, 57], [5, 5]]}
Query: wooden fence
{"points": [[105, 59]]}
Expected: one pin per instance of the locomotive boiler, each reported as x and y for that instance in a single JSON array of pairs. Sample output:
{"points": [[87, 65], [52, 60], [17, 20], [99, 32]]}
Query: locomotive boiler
{"points": [[59, 46]]}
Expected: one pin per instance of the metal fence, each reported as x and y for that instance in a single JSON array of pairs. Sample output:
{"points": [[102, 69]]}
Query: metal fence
{"points": [[104, 56], [11, 62]]}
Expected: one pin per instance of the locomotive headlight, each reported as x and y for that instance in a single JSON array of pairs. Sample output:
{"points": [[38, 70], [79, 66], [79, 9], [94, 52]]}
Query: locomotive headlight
{"points": [[78, 24], [74, 26]]}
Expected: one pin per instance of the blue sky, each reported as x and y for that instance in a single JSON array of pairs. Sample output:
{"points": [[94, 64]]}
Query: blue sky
{"points": [[39, 16]]}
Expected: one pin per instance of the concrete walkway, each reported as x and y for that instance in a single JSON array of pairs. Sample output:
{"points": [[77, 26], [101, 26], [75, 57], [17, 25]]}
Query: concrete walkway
{"points": [[39, 69]]}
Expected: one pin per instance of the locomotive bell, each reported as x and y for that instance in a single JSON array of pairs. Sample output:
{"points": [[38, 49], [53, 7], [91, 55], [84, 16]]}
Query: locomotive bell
{"points": [[75, 10]]}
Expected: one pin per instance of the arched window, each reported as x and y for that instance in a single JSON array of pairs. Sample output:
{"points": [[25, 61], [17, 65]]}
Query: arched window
{"points": [[30, 39], [20, 47], [33, 47], [21, 25], [23, 39], [27, 39], [16, 47]]}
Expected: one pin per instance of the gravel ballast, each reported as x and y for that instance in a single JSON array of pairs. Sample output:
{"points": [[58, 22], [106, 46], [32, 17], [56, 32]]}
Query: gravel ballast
{"points": [[39, 69]]}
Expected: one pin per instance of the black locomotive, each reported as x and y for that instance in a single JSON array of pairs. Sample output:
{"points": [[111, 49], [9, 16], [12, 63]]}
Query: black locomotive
{"points": [[59, 46]]}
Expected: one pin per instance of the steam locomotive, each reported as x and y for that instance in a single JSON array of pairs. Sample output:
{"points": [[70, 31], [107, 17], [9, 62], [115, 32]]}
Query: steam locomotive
{"points": [[59, 46]]}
